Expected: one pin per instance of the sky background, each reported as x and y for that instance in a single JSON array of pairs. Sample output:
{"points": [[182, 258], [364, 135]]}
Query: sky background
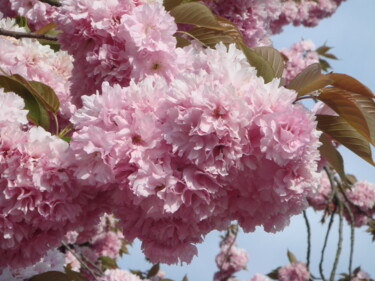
{"points": [[351, 33]]}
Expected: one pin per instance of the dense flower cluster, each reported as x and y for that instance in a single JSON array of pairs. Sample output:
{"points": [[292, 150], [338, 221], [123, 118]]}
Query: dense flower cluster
{"points": [[304, 12], [230, 259], [175, 156], [299, 56], [115, 41], [360, 198], [37, 62], [36, 12], [362, 195], [174, 142], [40, 200], [258, 19]]}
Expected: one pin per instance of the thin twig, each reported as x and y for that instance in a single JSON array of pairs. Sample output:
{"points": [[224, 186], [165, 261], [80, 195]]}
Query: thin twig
{"points": [[308, 239], [339, 244], [19, 35], [80, 260], [352, 230], [51, 2], [325, 245], [227, 254]]}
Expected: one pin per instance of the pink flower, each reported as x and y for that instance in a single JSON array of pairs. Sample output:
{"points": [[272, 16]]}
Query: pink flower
{"points": [[259, 277], [294, 272], [362, 194], [118, 275]]}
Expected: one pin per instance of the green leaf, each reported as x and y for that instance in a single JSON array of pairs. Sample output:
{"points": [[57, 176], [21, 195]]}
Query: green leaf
{"points": [[46, 28], [274, 274], [153, 270], [182, 42], [22, 22], [54, 45], [44, 93], [332, 156], [264, 68], [324, 65], [323, 49], [291, 257], [274, 57], [350, 84], [185, 278], [37, 114], [108, 263], [230, 29], [346, 105], [308, 80], [210, 37], [170, 4], [195, 13], [50, 276], [342, 132]]}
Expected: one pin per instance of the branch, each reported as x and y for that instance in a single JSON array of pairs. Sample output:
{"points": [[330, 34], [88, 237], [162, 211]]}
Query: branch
{"points": [[351, 216], [51, 2], [308, 239], [339, 244], [19, 35], [325, 245]]}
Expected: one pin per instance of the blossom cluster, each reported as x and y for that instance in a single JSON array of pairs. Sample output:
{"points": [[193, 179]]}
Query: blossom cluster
{"points": [[230, 259], [185, 164], [360, 198], [175, 142], [258, 19], [299, 56]]}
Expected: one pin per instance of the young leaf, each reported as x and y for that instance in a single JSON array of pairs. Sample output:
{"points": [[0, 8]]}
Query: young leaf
{"points": [[264, 68], [182, 42], [306, 77], [324, 65], [274, 274], [153, 270], [274, 57], [46, 28], [108, 263], [170, 4], [210, 37], [230, 29], [341, 131], [291, 257], [332, 156], [37, 114], [44, 93], [346, 105], [351, 84], [50, 275], [195, 13]]}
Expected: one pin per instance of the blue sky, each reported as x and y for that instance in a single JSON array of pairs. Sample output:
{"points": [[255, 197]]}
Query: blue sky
{"points": [[351, 31]]}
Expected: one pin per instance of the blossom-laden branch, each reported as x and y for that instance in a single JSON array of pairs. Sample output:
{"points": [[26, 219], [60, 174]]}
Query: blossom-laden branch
{"points": [[19, 35]]}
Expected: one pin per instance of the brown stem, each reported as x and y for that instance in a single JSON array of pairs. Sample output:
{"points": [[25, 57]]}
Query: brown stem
{"points": [[19, 35]]}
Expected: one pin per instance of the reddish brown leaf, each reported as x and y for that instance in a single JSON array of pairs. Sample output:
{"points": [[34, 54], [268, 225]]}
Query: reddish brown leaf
{"points": [[310, 79], [332, 156], [274, 57], [351, 84], [357, 110], [342, 132]]}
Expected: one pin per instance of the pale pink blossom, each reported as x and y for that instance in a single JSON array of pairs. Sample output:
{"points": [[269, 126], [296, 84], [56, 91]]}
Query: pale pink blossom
{"points": [[296, 271]]}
